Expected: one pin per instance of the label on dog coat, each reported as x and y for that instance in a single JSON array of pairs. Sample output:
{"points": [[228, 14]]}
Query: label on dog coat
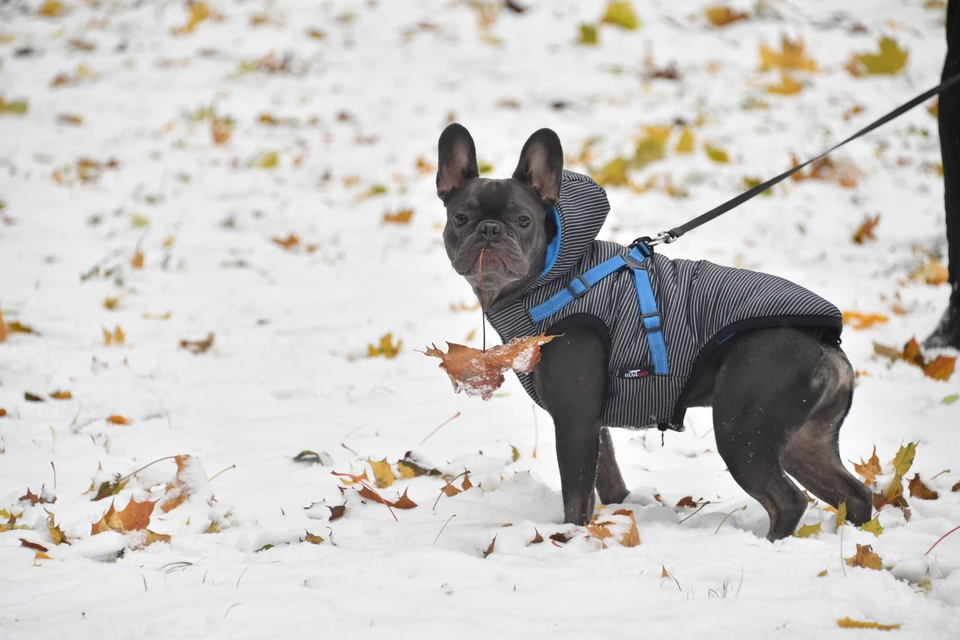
{"points": [[631, 372]]}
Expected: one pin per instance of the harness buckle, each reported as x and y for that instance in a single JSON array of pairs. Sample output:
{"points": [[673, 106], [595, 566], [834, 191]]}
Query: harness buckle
{"points": [[586, 287], [633, 264], [651, 327]]}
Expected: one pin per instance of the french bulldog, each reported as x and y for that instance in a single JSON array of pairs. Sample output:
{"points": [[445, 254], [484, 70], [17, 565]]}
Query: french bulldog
{"points": [[779, 394]]}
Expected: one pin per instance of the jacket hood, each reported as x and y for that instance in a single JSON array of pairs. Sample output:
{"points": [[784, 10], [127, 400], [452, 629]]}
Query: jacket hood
{"points": [[579, 215]]}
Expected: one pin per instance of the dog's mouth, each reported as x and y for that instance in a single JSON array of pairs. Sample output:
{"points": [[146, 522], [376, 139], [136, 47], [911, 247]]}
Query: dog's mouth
{"points": [[499, 258]]}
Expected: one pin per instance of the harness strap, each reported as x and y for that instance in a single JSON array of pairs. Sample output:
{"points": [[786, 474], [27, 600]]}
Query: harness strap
{"points": [[649, 315]]}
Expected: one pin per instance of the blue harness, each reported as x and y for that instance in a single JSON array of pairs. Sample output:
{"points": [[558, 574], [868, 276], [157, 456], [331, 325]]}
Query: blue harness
{"points": [[579, 286]]}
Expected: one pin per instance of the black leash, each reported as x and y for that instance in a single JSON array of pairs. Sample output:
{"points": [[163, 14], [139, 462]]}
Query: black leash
{"points": [[667, 237]]}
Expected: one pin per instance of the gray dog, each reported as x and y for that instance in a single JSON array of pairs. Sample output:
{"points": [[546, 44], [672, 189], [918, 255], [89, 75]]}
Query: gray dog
{"points": [[642, 337]]}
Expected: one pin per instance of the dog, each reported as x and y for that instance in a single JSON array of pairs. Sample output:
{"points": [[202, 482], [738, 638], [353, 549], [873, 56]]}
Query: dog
{"points": [[641, 337]]}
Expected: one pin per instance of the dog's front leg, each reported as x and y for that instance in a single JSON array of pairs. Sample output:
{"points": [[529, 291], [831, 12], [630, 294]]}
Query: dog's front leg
{"points": [[571, 380]]}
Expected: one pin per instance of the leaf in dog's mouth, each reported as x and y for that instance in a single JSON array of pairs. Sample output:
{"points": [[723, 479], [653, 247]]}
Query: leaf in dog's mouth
{"points": [[480, 373]]}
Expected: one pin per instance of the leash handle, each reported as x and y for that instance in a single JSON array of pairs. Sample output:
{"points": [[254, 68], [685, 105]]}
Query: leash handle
{"points": [[666, 237]]}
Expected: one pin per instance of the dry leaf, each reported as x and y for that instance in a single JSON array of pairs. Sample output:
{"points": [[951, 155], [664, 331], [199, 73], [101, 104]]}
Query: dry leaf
{"points": [[588, 34], [787, 86], [872, 526], [865, 231], [118, 419], [932, 272], [722, 16], [890, 59], [51, 9], [178, 491], [920, 490], [289, 243], [137, 260], [337, 512], [686, 501], [848, 623], [55, 533], [70, 118], [860, 321], [791, 56], [477, 372], [686, 142], [865, 558], [197, 12], [198, 346], [386, 348], [716, 153], [403, 216], [870, 469], [313, 538], [904, 458], [382, 473], [32, 545], [537, 539], [621, 527], [118, 337], [490, 548], [61, 394], [941, 368], [134, 517], [403, 502], [809, 530]]}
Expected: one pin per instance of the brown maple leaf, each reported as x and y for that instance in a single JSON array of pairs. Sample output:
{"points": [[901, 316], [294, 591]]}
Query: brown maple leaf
{"points": [[920, 490], [870, 469], [865, 558], [134, 517], [480, 373]]}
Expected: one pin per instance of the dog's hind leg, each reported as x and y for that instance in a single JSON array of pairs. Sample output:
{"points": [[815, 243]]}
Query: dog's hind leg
{"points": [[610, 484], [812, 454], [760, 400]]}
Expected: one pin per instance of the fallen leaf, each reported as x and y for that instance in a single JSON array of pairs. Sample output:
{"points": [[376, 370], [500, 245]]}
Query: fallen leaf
{"points": [[197, 12], [872, 526], [562, 538], [686, 501], [955, 487], [32, 545], [612, 174], [403, 216], [920, 490], [950, 399], [382, 473], [288, 243], [904, 458], [941, 368], [477, 372], [848, 623], [198, 346], [40, 555], [514, 453], [870, 469], [55, 533], [386, 348], [890, 59], [449, 490], [860, 321], [720, 16], [32, 397], [716, 154], [267, 160], [61, 394], [588, 34], [313, 539], [311, 457], [787, 86], [686, 142], [118, 337], [150, 537], [622, 15], [809, 530], [822, 574], [490, 548], [70, 118], [134, 517], [403, 502], [3, 412], [932, 272], [118, 419], [865, 231], [337, 512], [865, 558], [137, 260], [34, 499], [15, 107], [51, 9], [791, 56], [621, 527], [537, 539], [221, 129]]}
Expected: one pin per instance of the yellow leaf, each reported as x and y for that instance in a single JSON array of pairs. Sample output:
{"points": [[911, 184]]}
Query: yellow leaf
{"points": [[847, 623], [932, 272], [686, 142], [890, 59], [588, 34], [722, 16], [51, 9], [622, 15], [869, 470], [716, 154], [267, 160], [41, 556], [382, 473], [786, 87], [386, 348], [651, 147], [822, 574], [614, 173], [55, 533], [872, 526], [860, 321], [198, 12], [137, 260], [791, 56], [865, 558], [514, 453], [809, 530], [61, 395], [904, 458], [403, 216], [313, 538]]}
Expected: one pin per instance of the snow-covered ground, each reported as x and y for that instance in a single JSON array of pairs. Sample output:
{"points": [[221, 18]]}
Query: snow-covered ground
{"points": [[351, 96]]}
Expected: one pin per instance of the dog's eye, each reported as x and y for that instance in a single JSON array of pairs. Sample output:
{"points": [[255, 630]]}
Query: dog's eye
{"points": [[523, 221], [460, 219]]}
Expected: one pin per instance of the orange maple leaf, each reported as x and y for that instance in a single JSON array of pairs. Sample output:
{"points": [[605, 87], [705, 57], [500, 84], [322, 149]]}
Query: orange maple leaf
{"points": [[870, 469], [134, 517], [480, 373]]}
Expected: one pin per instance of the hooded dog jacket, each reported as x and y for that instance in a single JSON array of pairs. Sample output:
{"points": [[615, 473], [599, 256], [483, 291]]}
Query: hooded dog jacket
{"points": [[663, 318]]}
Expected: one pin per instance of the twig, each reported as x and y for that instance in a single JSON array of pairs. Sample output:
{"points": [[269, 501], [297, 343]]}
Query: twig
{"points": [[843, 565], [727, 516], [443, 527], [707, 433], [344, 445], [739, 586], [54, 475], [233, 466], [235, 604], [939, 474], [144, 467], [442, 424], [142, 577], [695, 512], [679, 588], [941, 538], [238, 579], [382, 499]]}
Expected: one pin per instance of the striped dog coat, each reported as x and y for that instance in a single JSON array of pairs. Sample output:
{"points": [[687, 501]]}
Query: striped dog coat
{"points": [[662, 318]]}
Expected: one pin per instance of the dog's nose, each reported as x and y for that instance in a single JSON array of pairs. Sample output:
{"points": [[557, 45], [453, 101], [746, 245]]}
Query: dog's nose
{"points": [[489, 229]]}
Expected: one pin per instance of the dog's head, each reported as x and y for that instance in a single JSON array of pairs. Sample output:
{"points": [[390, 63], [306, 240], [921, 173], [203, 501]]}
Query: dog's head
{"points": [[506, 219]]}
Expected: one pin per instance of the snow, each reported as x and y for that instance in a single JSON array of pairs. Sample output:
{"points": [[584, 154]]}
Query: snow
{"points": [[282, 375]]}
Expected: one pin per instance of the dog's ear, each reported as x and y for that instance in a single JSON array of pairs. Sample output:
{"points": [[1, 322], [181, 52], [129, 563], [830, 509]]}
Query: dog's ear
{"points": [[457, 160], [541, 165]]}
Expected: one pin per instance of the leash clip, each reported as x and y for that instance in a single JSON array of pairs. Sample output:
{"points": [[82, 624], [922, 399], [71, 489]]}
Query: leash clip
{"points": [[664, 237]]}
